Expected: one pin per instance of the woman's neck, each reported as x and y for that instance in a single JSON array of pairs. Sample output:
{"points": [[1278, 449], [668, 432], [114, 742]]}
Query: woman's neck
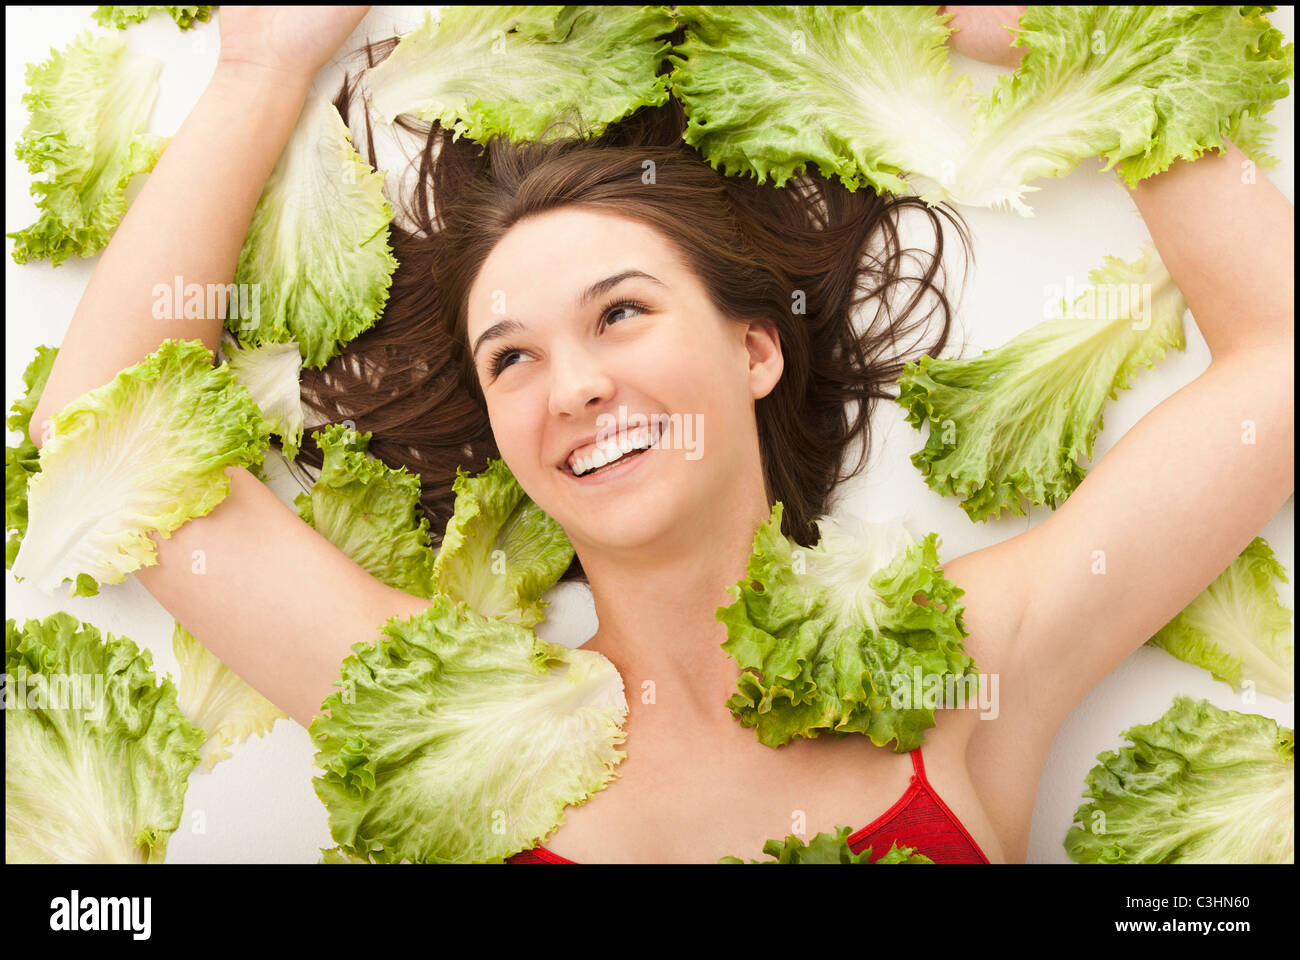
{"points": [[657, 615]]}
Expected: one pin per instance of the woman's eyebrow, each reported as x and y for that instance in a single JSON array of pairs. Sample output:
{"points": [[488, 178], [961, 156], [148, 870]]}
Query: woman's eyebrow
{"points": [[610, 282], [508, 326]]}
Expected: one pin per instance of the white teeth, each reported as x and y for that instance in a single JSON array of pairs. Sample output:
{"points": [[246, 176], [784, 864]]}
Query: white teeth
{"points": [[614, 449]]}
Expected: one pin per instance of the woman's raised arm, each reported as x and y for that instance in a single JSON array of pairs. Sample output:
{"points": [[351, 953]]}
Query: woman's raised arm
{"points": [[275, 601], [190, 217], [1183, 492]]}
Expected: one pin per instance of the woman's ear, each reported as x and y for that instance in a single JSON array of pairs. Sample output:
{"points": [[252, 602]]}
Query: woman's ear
{"points": [[766, 362]]}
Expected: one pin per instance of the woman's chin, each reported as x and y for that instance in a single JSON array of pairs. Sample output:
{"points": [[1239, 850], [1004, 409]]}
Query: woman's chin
{"points": [[635, 524], [622, 533], [655, 502]]}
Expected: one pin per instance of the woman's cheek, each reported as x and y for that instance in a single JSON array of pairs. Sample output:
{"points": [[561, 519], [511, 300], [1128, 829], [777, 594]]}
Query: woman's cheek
{"points": [[674, 369], [513, 442]]}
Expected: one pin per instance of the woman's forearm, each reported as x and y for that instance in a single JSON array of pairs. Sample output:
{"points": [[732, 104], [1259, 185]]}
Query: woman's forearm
{"points": [[188, 221], [1226, 235]]}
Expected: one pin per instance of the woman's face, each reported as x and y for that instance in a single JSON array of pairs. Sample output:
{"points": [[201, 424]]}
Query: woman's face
{"points": [[590, 336]]}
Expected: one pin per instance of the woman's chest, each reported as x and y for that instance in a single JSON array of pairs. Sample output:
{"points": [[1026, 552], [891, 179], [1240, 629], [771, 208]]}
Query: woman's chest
{"points": [[701, 801]]}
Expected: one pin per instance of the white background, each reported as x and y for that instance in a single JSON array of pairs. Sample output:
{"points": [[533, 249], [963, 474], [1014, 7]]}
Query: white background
{"points": [[259, 805]]}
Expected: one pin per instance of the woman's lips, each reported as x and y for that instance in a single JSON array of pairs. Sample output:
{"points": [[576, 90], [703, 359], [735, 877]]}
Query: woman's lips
{"points": [[612, 449], [623, 466]]}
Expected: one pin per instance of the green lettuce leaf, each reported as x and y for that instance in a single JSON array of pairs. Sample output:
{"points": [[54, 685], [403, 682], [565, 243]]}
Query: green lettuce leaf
{"points": [[316, 254], [1200, 785], [89, 105], [1140, 85], [370, 511], [501, 551], [1020, 420], [830, 638], [865, 93], [214, 698], [270, 375], [454, 738], [1238, 628], [97, 753], [338, 855], [830, 848], [513, 70], [145, 452], [23, 460], [122, 17]]}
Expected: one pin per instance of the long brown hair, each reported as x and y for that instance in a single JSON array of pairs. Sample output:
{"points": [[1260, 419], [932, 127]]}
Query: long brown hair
{"points": [[759, 250]]}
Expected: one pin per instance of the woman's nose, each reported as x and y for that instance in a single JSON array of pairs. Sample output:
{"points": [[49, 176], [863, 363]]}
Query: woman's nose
{"points": [[577, 379]]}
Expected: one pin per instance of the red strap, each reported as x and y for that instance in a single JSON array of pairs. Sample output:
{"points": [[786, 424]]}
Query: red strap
{"points": [[922, 821]]}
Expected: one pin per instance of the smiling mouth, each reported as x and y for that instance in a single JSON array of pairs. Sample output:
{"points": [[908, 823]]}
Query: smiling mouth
{"points": [[623, 456]]}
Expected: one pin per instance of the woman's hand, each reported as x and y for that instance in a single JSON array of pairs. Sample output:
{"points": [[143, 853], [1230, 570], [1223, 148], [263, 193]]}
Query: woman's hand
{"points": [[295, 41], [982, 34]]}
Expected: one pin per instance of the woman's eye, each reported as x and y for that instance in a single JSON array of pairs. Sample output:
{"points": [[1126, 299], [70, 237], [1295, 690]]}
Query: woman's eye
{"points": [[617, 308], [499, 359]]}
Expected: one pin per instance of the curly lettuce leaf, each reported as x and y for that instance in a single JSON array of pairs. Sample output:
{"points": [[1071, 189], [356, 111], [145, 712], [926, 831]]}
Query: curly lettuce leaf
{"points": [[270, 374], [1140, 85], [1238, 628], [370, 511], [122, 17], [454, 738], [97, 752], [1020, 420], [831, 638], [144, 453], [316, 254], [338, 855], [1200, 785], [500, 551], [830, 848], [512, 70], [214, 698], [865, 93], [89, 105], [23, 460]]}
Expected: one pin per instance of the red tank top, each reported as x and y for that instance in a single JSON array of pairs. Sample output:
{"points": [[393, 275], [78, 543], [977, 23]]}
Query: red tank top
{"points": [[919, 819]]}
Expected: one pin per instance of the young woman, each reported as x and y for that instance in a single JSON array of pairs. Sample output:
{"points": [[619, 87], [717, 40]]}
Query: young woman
{"points": [[674, 298]]}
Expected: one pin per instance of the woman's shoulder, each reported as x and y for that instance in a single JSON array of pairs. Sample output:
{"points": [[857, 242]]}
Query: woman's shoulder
{"points": [[1004, 739]]}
